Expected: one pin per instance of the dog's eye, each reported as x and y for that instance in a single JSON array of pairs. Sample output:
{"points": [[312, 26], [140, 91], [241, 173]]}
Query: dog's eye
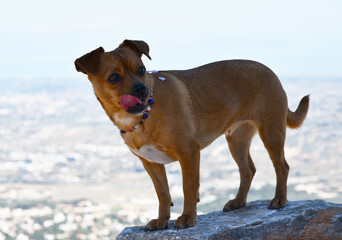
{"points": [[141, 71], [114, 78]]}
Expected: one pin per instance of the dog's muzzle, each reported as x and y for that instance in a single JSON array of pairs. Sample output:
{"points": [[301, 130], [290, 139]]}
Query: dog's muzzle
{"points": [[135, 103]]}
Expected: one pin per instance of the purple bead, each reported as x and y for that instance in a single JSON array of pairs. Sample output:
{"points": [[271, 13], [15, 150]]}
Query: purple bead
{"points": [[150, 101], [122, 131]]}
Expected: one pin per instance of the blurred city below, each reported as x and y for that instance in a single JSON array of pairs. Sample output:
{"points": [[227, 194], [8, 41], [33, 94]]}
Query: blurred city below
{"points": [[66, 173]]}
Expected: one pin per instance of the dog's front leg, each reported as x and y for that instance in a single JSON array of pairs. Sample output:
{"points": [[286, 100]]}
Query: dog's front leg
{"points": [[159, 179], [190, 165]]}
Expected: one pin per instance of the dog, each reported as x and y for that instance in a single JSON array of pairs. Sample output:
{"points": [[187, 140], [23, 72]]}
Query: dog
{"points": [[170, 116]]}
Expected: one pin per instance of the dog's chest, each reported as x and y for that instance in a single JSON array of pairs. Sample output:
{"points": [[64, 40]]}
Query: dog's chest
{"points": [[153, 154]]}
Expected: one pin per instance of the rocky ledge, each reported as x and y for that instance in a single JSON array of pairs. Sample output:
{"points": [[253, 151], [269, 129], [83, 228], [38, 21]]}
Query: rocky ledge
{"points": [[314, 219]]}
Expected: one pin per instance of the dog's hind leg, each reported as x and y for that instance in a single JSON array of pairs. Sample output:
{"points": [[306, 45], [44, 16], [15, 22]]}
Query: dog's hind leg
{"points": [[239, 142], [273, 138], [159, 179]]}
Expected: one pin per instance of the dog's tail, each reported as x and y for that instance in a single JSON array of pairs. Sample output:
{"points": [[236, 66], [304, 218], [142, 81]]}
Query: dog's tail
{"points": [[295, 119]]}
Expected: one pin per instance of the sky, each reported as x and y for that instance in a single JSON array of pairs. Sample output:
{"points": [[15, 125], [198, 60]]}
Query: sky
{"points": [[41, 39]]}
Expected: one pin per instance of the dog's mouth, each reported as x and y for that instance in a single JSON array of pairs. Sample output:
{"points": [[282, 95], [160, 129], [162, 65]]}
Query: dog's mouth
{"points": [[132, 104]]}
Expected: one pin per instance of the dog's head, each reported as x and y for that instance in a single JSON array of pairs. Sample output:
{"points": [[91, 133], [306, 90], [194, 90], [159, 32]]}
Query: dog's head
{"points": [[118, 78]]}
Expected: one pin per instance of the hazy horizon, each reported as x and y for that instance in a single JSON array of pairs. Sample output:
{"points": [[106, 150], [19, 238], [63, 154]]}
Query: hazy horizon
{"points": [[42, 39]]}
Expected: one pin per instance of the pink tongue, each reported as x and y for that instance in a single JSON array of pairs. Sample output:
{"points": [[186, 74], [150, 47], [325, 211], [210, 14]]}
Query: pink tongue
{"points": [[129, 101]]}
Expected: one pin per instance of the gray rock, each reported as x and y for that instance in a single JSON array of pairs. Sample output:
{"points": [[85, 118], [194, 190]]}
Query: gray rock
{"points": [[314, 219]]}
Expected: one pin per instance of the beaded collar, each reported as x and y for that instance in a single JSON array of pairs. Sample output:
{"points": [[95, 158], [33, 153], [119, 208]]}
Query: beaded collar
{"points": [[145, 114]]}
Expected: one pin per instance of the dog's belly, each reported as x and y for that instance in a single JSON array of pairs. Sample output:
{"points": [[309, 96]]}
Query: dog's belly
{"points": [[153, 154]]}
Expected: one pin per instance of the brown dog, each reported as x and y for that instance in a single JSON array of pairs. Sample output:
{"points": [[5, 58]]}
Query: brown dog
{"points": [[165, 121]]}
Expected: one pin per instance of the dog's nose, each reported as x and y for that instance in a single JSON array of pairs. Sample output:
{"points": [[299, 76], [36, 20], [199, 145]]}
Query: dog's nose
{"points": [[139, 90]]}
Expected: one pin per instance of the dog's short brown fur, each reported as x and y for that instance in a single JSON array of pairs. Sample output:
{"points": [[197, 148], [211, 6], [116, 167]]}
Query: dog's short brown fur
{"points": [[192, 108]]}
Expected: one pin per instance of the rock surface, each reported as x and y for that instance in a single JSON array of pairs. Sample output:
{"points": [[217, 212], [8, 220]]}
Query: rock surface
{"points": [[314, 219]]}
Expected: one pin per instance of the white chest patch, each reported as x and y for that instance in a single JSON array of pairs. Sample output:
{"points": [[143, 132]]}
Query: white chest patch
{"points": [[123, 121], [152, 154]]}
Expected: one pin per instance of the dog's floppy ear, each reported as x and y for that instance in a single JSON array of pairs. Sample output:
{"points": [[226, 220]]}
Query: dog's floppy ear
{"points": [[140, 47], [90, 62]]}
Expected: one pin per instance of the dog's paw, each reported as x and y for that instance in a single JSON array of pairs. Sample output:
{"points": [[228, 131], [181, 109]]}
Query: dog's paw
{"points": [[233, 204], [185, 221], [277, 203], [156, 224]]}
